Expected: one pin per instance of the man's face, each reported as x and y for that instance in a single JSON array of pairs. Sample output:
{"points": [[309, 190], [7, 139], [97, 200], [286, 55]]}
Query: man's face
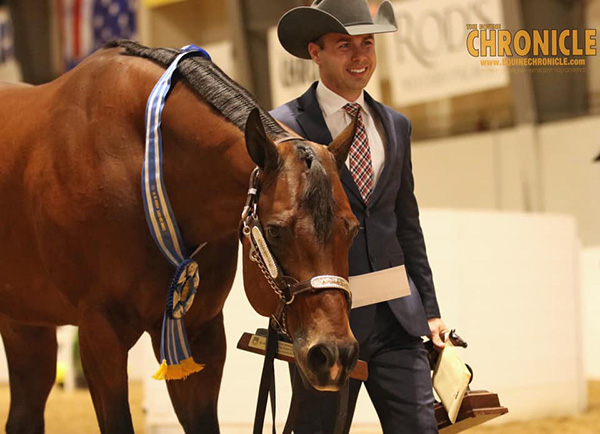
{"points": [[346, 62]]}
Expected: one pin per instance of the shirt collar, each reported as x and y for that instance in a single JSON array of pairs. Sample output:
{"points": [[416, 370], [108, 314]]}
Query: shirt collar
{"points": [[331, 102]]}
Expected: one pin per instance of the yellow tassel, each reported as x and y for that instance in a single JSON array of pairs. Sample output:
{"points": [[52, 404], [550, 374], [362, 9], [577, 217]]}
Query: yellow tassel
{"points": [[189, 366], [161, 374], [177, 372], [174, 372]]}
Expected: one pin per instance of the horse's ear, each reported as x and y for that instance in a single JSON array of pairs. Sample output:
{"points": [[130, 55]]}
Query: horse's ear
{"points": [[261, 149], [341, 144]]}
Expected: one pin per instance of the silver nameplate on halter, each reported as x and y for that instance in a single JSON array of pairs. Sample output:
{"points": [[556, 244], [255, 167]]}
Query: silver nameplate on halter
{"points": [[379, 286], [264, 252], [329, 282]]}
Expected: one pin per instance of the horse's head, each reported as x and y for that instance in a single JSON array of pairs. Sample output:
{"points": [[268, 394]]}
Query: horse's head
{"points": [[303, 214]]}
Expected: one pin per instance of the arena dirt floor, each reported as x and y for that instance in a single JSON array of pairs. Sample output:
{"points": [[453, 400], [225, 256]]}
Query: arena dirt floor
{"points": [[72, 413]]}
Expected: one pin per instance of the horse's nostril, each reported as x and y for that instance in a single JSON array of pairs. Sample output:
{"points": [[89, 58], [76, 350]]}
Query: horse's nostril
{"points": [[349, 355], [320, 356]]}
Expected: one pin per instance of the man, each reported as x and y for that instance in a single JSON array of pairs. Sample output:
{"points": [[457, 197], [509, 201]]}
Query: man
{"points": [[338, 36]]}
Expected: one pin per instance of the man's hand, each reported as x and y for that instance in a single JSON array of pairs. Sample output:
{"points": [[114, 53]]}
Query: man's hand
{"points": [[437, 328]]}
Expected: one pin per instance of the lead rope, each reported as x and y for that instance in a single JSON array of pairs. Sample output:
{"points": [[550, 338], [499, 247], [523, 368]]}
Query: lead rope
{"points": [[342, 409], [267, 383], [294, 403]]}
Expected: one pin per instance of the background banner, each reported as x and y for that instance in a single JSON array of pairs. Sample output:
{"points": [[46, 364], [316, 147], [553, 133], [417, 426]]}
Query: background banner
{"points": [[427, 57], [9, 70]]}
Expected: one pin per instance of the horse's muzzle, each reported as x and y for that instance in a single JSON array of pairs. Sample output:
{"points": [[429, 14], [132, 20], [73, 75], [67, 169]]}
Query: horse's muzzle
{"points": [[326, 364]]}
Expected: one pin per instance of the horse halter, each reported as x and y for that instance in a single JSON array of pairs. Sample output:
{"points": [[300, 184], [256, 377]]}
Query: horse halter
{"points": [[286, 287]]}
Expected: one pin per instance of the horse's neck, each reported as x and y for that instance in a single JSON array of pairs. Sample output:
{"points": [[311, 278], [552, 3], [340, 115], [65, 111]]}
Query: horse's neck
{"points": [[207, 171]]}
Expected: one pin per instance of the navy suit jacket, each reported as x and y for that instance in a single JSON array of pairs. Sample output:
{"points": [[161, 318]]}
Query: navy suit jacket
{"points": [[390, 232]]}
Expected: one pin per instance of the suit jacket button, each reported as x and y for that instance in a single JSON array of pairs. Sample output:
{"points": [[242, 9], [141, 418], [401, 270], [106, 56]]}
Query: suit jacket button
{"points": [[368, 213]]}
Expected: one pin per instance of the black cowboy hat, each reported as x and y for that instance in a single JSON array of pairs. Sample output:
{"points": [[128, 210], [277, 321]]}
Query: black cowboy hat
{"points": [[305, 24]]}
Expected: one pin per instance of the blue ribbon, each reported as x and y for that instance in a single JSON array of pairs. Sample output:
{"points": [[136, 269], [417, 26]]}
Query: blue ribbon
{"points": [[176, 357]]}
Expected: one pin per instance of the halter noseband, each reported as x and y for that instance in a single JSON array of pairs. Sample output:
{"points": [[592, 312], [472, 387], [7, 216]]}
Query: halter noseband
{"points": [[286, 287]]}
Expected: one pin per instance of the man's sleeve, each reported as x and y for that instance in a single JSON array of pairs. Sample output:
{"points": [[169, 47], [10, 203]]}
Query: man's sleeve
{"points": [[410, 235]]}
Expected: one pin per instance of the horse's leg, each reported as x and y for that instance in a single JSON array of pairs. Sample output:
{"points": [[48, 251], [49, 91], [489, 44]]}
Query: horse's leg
{"points": [[195, 398], [31, 356], [105, 337]]}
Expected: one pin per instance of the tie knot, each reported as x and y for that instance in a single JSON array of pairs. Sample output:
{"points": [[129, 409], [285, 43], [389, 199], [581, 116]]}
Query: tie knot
{"points": [[352, 108]]}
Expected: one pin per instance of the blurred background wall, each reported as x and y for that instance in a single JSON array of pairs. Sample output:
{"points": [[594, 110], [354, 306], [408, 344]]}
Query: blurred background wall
{"points": [[517, 143]]}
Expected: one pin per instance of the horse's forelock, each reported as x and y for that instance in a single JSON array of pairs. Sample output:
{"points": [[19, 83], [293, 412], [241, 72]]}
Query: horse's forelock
{"points": [[317, 195]]}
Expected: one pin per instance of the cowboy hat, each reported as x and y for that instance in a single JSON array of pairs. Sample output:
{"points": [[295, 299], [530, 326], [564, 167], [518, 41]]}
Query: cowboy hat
{"points": [[305, 24]]}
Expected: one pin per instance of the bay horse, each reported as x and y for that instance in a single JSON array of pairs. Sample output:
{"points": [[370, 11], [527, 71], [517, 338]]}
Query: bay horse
{"points": [[75, 247]]}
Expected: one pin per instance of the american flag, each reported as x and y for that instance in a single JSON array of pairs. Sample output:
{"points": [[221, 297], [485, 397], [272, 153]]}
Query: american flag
{"points": [[86, 25], [7, 49]]}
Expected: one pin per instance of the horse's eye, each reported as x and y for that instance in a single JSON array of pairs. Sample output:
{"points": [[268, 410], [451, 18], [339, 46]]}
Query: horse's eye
{"points": [[273, 232]]}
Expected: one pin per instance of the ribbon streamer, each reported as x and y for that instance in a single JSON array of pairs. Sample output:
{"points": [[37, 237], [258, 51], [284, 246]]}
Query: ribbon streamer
{"points": [[177, 360]]}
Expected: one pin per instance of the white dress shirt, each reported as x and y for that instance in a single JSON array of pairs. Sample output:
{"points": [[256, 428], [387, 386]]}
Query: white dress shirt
{"points": [[336, 118]]}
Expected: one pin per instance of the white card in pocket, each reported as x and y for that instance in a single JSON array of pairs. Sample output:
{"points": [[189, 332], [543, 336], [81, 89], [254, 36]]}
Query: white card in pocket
{"points": [[379, 286]]}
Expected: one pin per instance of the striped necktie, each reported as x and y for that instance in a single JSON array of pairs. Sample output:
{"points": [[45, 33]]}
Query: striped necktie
{"points": [[361, 166]]}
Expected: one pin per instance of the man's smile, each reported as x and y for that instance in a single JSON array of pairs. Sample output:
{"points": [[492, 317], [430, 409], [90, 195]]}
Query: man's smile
{"points": [[357, 71]]}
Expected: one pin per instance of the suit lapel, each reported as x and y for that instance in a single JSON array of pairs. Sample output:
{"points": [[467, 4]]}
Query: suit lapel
{"points": [[310, 119], [390, 150], [348, 181]]}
